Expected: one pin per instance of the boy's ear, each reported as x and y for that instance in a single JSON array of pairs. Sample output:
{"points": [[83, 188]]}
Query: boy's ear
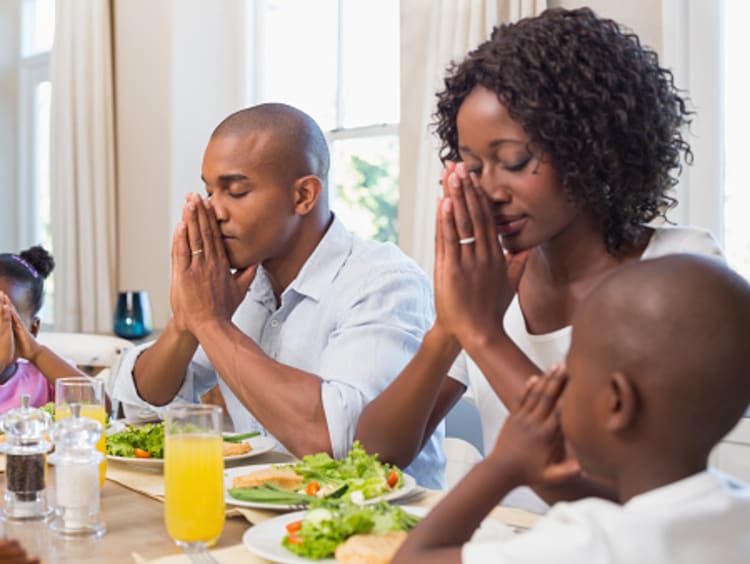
{"points": [[35, 324], [307, 190], [622, 403]]}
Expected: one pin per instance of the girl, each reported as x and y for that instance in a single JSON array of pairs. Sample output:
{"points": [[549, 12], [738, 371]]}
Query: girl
{"points": [[25, 365], [567, 133]]}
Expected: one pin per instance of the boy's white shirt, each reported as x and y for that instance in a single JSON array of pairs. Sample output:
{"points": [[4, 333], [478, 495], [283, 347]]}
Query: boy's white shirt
{"points": [[702, 519]]}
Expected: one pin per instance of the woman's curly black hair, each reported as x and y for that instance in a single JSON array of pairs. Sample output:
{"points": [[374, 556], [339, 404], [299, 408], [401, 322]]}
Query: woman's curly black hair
{"points": [[28, 268], [594, 101]]}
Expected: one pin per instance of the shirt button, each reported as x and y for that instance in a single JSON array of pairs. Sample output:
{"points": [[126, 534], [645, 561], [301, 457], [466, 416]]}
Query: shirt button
{"points": [[274, 323]]}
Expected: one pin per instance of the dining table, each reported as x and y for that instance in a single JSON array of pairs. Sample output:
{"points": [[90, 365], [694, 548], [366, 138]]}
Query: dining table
{"points": [[132, 506]]}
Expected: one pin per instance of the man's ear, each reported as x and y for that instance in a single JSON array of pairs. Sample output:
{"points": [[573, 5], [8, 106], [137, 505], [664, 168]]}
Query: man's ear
{"points": [[622, 403], [307, 190], [34, 329]]}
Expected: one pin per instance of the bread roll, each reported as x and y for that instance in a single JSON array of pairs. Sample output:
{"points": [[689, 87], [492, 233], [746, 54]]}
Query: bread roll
{"points": [[235, 449], [370, 549], [282, 477]]}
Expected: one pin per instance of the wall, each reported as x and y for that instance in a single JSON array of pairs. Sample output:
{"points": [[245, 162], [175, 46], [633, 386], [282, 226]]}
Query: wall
{"points": [[641, 16], [178, 73]]}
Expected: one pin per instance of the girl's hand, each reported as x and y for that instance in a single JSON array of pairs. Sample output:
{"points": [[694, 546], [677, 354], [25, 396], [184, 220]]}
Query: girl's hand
{"points": [[474, 283], [532, 436], [26, 345], [7, 344]]}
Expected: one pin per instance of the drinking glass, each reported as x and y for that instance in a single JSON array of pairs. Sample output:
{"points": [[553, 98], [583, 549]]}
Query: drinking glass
{"points": [[133, 315], [194, 475], [89, 393]]}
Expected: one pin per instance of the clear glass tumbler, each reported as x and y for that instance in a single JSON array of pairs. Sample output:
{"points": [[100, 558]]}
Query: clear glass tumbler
{"points": [[194, 475]]}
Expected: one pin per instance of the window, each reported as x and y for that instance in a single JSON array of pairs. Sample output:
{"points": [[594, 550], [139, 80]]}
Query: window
{"points": [[37, 31], [338, 60], [736, 44], [704, 45]]}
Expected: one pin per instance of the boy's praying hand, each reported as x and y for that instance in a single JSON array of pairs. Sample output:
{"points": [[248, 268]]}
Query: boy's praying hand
{"points": [[530, 450]]}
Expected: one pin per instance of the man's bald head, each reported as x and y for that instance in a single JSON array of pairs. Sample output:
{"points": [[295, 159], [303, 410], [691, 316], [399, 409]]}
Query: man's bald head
{"points": [[678, 326], [295, 134]]}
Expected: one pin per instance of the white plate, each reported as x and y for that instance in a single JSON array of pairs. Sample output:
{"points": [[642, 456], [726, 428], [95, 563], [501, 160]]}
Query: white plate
{"points": [[259, 446], [230, 473], [264, 539]]}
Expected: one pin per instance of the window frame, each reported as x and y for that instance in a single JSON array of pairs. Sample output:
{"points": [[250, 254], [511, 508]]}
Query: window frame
{"points": [[32, 71], [691, 45], [254, 62]]}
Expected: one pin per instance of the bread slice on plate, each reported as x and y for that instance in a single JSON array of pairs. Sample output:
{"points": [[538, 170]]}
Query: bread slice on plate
{"points": [[235, 449], [370, 549], [282, 477]]}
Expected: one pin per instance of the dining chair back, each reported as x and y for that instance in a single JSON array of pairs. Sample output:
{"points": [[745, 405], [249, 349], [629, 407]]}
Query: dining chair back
{"points": [[460, 457], [96, 355]]}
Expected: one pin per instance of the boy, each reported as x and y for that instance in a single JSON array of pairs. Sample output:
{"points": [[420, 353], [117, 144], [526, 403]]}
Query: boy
{"points": [[655, 376]]}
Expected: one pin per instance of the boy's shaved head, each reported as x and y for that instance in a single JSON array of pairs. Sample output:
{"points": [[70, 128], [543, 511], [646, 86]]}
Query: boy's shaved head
{"points": [[297, 139], [678, 327]]}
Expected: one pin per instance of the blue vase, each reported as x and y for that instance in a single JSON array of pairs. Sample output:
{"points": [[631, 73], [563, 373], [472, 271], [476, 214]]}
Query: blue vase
{"points": [[133, 315]]}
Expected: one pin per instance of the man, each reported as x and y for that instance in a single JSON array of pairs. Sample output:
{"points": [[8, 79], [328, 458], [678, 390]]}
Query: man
{"points": [[302, 322]]}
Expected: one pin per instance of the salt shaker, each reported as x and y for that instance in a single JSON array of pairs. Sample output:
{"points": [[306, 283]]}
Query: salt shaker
{"points": [[76, 460], [25, 462]]}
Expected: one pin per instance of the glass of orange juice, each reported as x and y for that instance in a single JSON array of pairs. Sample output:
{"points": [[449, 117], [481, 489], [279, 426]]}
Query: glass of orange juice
{"points": [[194, 475], [89, 393]]}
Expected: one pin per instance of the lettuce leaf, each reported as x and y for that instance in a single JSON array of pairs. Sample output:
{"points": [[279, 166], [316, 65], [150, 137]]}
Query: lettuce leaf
{"points": [[318, 539], [362, 472], [149, 437]]}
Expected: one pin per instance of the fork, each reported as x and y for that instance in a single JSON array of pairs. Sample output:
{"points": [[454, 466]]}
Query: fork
{"points": [[200, 555]]}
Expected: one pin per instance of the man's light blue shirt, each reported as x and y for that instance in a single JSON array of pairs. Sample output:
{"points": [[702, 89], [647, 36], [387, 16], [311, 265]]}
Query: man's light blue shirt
{"points": [[354, 316]]}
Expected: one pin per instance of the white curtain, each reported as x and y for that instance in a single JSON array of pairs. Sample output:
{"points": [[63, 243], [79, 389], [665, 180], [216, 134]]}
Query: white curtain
{"points": [[455, 27], [83, 166]]}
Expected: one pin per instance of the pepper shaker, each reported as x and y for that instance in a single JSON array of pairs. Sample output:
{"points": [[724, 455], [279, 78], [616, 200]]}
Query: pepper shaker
{"points": [[25, 462], [76, 460]]}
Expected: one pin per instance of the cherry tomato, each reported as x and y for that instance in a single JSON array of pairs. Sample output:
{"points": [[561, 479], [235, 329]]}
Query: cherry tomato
{"points": [[392, 478], [140, 453], [294, 526], [312, 488]]}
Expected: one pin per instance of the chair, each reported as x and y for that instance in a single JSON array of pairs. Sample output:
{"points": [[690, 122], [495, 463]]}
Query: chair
{"points": [[464, 422], [96, 355], [463, 443], [460, 457]]}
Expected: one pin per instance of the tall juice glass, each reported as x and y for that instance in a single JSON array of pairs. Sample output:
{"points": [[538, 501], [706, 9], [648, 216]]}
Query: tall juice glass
{"points": [[89, 393], [194, 475]]}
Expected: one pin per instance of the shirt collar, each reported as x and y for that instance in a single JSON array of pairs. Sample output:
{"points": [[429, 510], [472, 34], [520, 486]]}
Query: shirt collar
{"points": [[319, 270], [691, 487], [324, 264]]}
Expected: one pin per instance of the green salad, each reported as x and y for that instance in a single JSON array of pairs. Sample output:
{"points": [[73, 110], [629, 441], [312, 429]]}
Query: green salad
{"points": [[330, 523], [357, 477], [49, 408], [145, 441]]}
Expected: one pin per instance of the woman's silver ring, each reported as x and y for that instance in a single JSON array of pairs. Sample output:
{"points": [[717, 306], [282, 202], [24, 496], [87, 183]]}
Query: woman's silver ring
{"points": [[467, 240], [197, 252]]}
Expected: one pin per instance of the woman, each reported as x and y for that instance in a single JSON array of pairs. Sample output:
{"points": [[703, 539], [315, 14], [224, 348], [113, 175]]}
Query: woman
{"points": [[567, 134]]}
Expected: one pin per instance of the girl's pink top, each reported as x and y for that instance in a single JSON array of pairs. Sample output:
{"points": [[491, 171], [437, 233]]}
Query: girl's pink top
{"points": [[27, 380]]}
